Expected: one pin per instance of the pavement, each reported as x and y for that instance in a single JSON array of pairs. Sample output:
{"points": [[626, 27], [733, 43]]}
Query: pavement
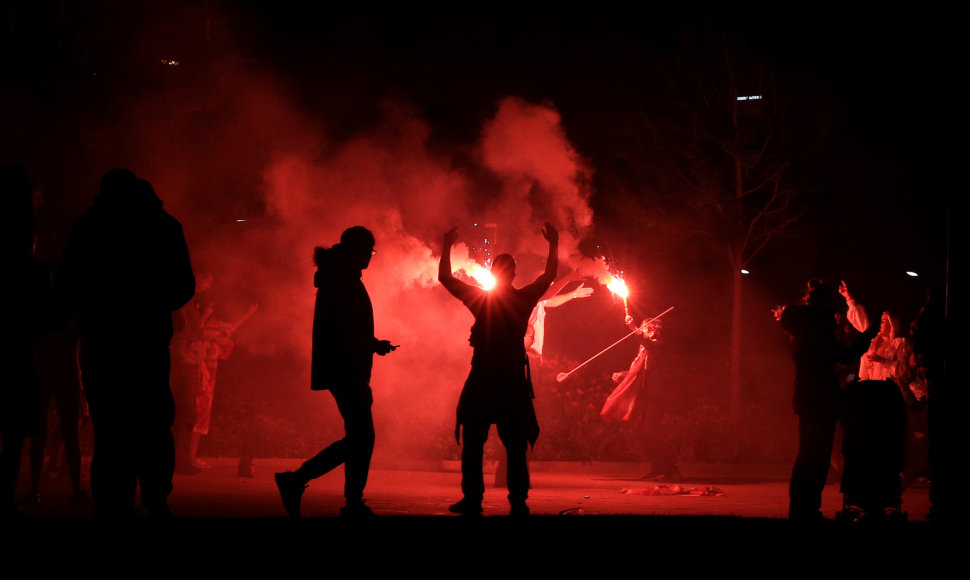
{"points": [[584, 517], [421, 489]]}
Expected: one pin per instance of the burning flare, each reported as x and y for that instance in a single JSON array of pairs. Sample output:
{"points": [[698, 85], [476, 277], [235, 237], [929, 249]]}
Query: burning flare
{"points": [[478, 273], [618, 287]]}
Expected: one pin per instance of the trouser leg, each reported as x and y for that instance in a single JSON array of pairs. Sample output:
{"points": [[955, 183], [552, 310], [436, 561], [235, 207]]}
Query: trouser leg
{"points": [[473, 438], [10, 457], [811, 465], [516, 447], [114, 477], [68, 413], [355, 407], [354, 450], [132, 410], [323, 462]]}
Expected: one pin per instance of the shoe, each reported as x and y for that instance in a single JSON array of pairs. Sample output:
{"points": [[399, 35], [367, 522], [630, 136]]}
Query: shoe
{"points": [[356, 510], [807, 516], [291, 491], [466, 507], [519, 510], [158, 511]]}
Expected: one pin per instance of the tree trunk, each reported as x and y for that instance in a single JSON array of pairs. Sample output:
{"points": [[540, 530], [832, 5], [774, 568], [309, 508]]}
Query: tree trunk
{"points": [[734, 373]]}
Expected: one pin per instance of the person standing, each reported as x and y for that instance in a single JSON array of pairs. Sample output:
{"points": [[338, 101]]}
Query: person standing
{"points": [[26, 297], [124, 270], [343, 356], [817, 399], [498, 389], [639, 396]]}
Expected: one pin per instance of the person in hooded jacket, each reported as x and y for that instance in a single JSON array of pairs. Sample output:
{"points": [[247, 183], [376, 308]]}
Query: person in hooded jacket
{"points": [[124, 270], [343, 356]]}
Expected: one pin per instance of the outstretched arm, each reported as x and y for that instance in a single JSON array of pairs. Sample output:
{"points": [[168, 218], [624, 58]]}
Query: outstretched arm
{"points": [[455, 286], [552, 260], [560, 299], [857, 313]]}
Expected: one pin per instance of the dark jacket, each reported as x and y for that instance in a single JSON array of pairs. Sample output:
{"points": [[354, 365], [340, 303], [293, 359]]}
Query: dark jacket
{"points": [[343, 324], [498, 388], [125, 268], [817, 351]]}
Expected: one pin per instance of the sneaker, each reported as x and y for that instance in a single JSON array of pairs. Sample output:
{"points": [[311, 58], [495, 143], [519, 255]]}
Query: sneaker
{"points": [[291, 491], [356, 510], [466, 507], [519, 510]]}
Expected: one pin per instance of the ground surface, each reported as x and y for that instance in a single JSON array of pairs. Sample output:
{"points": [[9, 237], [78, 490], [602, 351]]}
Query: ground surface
{"points": [[597, 517]]}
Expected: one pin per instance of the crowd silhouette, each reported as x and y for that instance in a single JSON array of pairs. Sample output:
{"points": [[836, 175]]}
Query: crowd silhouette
{"points": [[101, 322]]}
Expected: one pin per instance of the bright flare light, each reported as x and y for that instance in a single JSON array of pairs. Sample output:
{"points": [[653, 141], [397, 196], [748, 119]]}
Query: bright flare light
{"points": [[618, 287], [912, 274], [480, 275]]}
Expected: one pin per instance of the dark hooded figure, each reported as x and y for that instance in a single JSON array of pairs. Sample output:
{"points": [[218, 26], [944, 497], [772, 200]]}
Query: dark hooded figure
{"points": [[817, 399], [25, 299], [125, 269], [499, 389], [343, 356]]}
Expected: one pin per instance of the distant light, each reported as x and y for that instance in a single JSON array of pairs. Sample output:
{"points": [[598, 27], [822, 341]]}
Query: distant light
{"points": [[750, 98], [240, 220], [743, 271], [911, 274]]}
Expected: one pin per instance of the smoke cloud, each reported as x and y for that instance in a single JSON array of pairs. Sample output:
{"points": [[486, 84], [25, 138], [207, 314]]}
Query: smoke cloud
{"points": [[258, 182]]}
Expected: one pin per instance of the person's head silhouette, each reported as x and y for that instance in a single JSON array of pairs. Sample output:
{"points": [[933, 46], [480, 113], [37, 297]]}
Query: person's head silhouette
{"points": [[503, 269], [357, 244]]}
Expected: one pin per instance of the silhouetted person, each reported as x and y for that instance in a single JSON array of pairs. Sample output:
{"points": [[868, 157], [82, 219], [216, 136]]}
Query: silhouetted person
{"points": [[930, 349], [26, 292], [58, 373], [343, 356], [639, 396], [125, 269], [816, 350], [203, 341], [499, 389]]}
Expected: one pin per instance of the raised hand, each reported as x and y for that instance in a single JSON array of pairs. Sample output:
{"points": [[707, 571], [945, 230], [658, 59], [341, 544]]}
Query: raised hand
{"points": [[550, 233], [844, 291], [451, 236]]}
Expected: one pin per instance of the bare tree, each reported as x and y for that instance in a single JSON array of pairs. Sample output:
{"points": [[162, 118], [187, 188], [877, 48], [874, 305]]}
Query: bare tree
{"points": [[724, 134]]}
